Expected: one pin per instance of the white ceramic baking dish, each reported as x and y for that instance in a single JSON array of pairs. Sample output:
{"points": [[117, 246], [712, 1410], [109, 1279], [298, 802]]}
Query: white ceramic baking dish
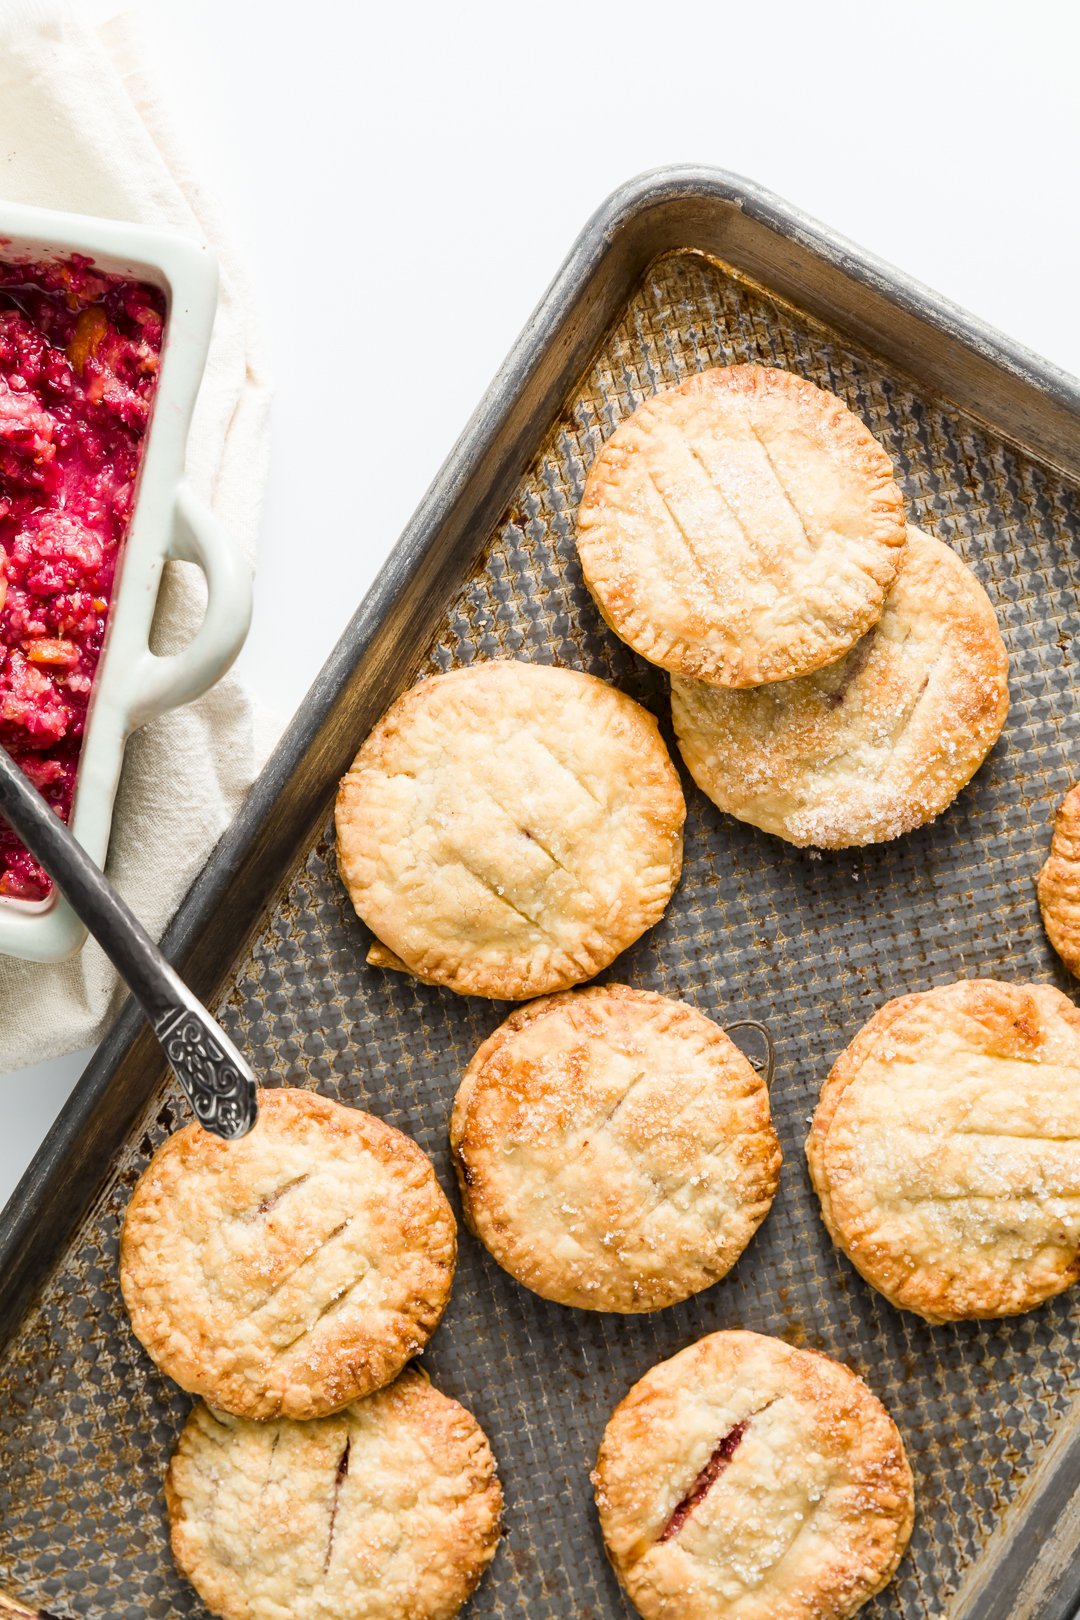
{"points": [[134, 685]]}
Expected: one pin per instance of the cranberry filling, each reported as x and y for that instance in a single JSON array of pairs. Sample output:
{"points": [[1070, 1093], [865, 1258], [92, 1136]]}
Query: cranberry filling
{"points": [[853, 668], [705, 1480], [339, 1479], [723, 1452], [79, 357]]}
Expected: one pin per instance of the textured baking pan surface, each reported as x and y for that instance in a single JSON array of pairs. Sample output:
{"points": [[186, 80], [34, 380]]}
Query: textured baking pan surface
{"points": [[810, 943]]}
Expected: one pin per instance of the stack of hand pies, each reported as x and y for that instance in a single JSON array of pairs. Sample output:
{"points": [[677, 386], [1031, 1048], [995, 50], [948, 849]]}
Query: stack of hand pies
{"points": [[506, 830], [288, 1279], [837, 675]]}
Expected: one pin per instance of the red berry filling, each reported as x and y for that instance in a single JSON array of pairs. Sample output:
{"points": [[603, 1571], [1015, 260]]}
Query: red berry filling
{"points": [[722, 1454], [711, 1472], [79, 358]]}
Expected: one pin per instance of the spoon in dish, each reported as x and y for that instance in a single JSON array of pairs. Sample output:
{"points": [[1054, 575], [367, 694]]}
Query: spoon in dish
{"points": [[219, 1083]]}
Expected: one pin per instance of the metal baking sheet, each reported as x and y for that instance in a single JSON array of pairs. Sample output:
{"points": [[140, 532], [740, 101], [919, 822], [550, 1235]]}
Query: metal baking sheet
{"points": [[680, 270]]}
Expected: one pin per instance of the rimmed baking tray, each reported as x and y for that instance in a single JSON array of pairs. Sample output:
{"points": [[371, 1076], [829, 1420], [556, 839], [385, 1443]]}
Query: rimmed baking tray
{"points": [[680, 269]]}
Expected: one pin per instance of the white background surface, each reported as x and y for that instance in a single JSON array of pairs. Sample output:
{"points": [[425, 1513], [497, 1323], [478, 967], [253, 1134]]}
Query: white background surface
{"points": [[406, 178]]}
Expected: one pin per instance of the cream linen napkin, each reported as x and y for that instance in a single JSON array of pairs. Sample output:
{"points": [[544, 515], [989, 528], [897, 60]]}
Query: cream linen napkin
{"points": [[81, 128]]}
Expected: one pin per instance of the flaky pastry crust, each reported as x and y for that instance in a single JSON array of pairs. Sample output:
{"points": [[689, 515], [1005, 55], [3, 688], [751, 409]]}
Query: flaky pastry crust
{"points": [[945, 1149], [876, 744], [389, 1510], [1059, 883], [747, 1480], [743, 527], [507, 829], [614, 1149], [291, 1271]]}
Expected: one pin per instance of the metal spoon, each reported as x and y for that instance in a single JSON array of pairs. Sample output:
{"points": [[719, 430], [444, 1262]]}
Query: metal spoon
{"points": [[220, 1084]]}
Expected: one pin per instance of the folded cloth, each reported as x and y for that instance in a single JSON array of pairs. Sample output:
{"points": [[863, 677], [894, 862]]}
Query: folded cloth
{"points": [[82, 128]]}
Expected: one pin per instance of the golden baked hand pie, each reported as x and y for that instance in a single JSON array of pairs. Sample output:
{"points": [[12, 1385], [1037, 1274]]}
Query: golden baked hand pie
{"points": [[509, 828], [614, 1149], [743, 527], [874, 745], [388, 1510], [946, 1149], [293, 1270], [1059, 883], [747, 1479]]}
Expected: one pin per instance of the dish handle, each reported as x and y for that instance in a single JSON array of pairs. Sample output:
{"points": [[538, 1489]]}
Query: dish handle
{"points": [[167, 682]]}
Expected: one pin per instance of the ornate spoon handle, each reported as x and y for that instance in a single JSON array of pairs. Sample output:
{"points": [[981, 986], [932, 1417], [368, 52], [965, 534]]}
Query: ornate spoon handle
{"points": [[218, 1081]]}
